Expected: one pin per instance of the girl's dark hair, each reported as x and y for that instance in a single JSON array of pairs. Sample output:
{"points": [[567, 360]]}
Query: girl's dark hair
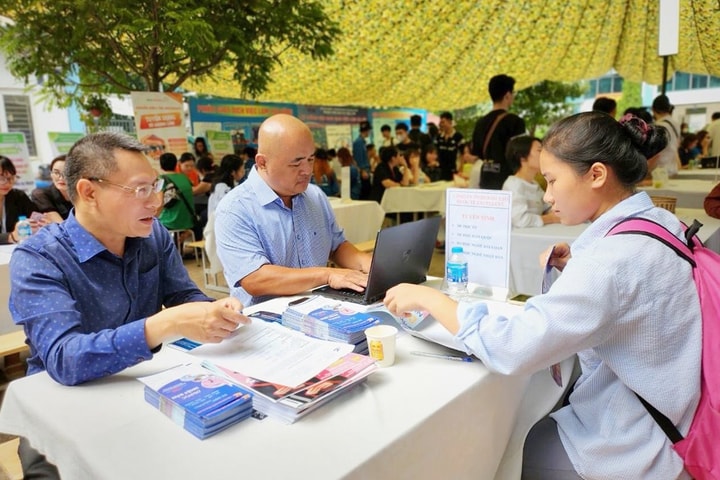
{"points": [[518, 148], [204, 144], [687, 139], [387, 154], [60, 158], [345, 157], [224, 173], [205, 164], [7, 166], [625, 146], [184, 157]]}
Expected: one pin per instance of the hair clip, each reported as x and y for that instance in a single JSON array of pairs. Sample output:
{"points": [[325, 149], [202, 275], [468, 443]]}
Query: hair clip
{"points": [[642, 125]]}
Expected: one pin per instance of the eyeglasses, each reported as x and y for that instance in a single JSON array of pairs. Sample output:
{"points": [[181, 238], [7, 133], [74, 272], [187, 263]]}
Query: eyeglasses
{"points": [[57, 174], [5, 179], [141, 191]]}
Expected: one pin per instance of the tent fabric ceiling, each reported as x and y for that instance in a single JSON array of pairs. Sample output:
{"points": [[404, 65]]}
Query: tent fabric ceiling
{"points": [[440, 55]]}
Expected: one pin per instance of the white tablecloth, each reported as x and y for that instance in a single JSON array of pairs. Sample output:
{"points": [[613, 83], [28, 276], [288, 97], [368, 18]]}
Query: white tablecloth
{"points": [[690, 193], [422, 418], [429, 197], [6, 323], [528, 243], [361, 219]]}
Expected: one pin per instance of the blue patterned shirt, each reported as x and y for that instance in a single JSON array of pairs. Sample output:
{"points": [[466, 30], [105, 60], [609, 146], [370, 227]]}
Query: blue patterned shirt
{"points": [[629, 306], [253, 228], [83, 308]]}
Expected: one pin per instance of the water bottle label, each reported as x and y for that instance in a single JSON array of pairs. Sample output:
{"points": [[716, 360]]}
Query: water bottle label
{"points": [[457, 272]]}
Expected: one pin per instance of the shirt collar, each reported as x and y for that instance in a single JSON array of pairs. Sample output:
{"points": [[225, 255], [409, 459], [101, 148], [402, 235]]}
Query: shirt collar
{"points": [[263, 192], [632, 206], [86, 245]]}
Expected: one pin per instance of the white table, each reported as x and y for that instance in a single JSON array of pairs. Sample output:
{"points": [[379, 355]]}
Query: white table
{"points": [[361, 219], [428, 197], [690, 193], [422, 418], [528, 243], [6, 323], [711, 174]]}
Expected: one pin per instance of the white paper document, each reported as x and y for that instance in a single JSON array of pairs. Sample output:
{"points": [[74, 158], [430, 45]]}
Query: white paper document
{"points": [[435, 332], [273, 352]]}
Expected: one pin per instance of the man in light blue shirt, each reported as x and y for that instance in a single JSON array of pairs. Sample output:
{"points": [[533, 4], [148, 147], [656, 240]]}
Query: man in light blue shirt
{"points": [[276, 232]]}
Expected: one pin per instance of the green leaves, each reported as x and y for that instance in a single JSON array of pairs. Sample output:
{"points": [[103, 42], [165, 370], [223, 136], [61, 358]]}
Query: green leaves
{"points": [[116, 46]]}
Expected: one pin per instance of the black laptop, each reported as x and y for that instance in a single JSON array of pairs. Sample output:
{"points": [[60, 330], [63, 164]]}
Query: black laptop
{"points": [[709, 162], [402, 255]]}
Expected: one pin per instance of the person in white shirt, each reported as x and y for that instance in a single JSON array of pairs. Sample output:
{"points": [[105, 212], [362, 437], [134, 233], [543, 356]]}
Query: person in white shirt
{"points": [[662, 113], [528, 207], [626, 304]]}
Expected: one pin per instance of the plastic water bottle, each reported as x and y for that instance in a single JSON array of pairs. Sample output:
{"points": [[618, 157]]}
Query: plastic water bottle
{"points": [[24, 229], [457, 271]]}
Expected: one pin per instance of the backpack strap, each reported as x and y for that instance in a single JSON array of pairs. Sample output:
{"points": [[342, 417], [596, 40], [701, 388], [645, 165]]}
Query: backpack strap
{"points": [[643, 226], [182, 197], [490, 133]]}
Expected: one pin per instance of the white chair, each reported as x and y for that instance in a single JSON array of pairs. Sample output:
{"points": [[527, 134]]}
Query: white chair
{"points": [[542, 395], [182, 237], [211, 264]]}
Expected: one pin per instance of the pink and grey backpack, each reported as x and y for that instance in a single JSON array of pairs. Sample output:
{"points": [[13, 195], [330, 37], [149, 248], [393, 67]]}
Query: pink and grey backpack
{"points": [[700, 448]]}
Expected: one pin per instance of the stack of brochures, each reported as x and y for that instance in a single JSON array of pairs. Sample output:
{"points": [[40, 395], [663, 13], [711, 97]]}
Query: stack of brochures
{"points": [[199, 400], [329, 319], [288, 404]]}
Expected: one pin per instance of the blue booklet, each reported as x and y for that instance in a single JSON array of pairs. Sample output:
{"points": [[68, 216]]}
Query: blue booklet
{"points": [[329, 319], [197, 399]]}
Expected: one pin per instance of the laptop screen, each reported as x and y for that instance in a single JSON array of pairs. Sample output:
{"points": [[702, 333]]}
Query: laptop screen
{"points": [[402, 255]]}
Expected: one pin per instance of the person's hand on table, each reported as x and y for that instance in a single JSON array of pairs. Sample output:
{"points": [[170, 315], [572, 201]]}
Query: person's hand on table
{"points": [[339, 278], [406, 297], [206, 322], [560, 255]]}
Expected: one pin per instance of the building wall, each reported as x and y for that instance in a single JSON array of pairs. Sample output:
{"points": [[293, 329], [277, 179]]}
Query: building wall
{"points": [[44, 119]]}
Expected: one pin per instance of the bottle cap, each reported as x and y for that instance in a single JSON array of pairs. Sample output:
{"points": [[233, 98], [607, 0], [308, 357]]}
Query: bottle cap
{"points": [[456, 250], [21, 218]]}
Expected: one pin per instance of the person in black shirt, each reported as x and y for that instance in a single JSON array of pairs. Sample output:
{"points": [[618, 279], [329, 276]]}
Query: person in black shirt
{"points": [[506, 125], [54, 201], [447, 146]]}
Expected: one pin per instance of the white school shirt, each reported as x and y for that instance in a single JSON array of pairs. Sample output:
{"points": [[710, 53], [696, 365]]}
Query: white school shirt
{"points": [[629, 306], [527, 202]]}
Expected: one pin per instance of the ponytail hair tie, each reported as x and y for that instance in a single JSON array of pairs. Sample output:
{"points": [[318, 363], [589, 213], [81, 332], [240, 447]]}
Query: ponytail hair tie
{"points": [[642, 126]]}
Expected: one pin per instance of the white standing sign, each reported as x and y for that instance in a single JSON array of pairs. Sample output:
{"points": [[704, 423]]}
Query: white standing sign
{"points": [[480, 222]]}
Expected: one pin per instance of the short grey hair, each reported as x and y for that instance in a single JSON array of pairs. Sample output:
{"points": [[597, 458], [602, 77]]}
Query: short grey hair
{"points": [[93, 156]]}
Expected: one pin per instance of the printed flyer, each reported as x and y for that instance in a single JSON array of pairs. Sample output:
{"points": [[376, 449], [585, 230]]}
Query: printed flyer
{"points": [[480, 222], [160, 124]]}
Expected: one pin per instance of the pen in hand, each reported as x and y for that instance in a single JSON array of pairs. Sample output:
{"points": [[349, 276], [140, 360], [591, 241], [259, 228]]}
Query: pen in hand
{"points": [[441, 356]]}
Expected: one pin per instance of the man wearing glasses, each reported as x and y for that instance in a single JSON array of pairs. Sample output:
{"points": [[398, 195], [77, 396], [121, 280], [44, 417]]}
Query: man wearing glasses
{"points": [[89, 292]]}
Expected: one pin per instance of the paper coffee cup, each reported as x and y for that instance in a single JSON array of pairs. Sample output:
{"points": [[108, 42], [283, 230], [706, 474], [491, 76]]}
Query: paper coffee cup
{"points": [[381, 344]]}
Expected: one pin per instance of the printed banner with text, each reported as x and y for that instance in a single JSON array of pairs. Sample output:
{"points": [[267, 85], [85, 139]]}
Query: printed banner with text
{"points": [[61, 142], [159, 120]]}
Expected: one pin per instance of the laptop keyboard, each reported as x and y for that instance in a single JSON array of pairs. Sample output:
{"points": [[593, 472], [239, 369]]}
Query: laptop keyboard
{"points": [[344, 293]]}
